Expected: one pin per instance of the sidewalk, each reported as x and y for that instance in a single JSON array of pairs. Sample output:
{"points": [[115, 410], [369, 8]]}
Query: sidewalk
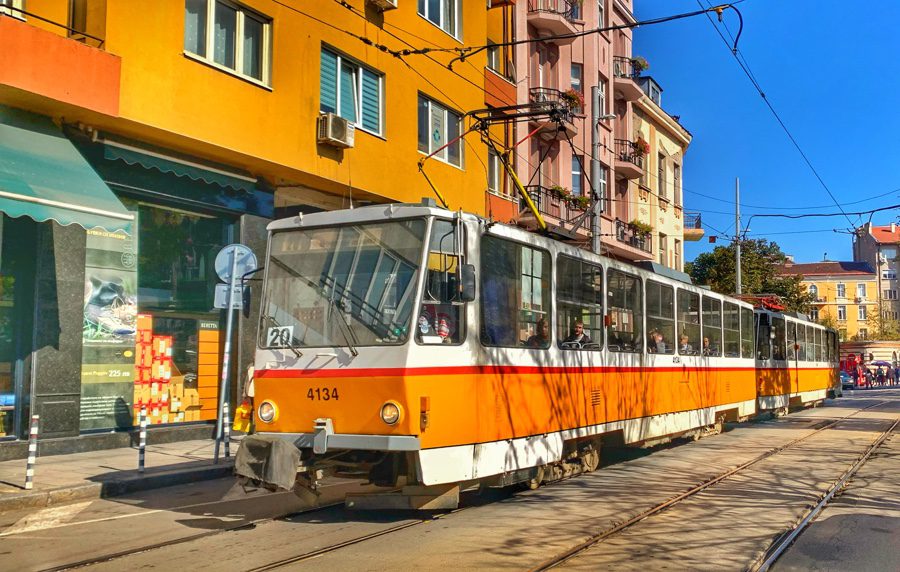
{"points": [[96, 474]]}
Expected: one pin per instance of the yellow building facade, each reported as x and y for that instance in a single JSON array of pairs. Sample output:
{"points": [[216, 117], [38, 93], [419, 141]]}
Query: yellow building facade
{"points": [[844, 294]]}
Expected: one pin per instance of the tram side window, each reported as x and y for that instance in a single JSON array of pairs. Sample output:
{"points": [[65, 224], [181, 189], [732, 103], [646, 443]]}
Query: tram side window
{"points": [[515, 301], [712, 326], [801, 342], [792, 340], [625, 312], [763, 339], [817, 335], [442, 316], [660, 318], [778, 343], [732, 325], [579, 301], [747, 333], [688, 323]]}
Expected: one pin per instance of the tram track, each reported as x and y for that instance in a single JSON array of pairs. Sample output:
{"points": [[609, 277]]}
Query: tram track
{"points": [[779, 546]]}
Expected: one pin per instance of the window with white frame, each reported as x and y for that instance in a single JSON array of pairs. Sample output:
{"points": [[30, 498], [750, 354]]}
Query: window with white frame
{"points": [[860, 290], [12, 7], [841, 290], [445, 14], [577, 176], [601, 88], [842, 313], [601, 13], [602, 183], [493, 57], [493, 172], [438, 126], [351, 90], [577, 82], [678, 261], [889, 274], [814, 314], [861, 314], [863, 334], [890, 294], [676, 183], [230, 36]]}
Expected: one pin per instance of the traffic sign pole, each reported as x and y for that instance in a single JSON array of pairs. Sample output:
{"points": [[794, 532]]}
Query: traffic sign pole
{"points": [[226, 357]]}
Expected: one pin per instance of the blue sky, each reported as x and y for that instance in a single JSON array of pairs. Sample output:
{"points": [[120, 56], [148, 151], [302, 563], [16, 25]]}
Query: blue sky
{"points": [[831, 72]]}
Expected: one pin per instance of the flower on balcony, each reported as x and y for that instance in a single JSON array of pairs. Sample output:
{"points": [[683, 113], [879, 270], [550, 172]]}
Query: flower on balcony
{"points": [[582, 202], [639, 64], [561, 192], [641, 147], [573, 98], [640, 228]]}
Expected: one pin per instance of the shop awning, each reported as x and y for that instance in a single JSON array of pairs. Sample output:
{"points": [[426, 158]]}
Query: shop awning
{"points": [[166, 162], [44, 177]]}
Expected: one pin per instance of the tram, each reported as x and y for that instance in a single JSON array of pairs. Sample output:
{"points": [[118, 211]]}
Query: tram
{"points": [[432, 350]]}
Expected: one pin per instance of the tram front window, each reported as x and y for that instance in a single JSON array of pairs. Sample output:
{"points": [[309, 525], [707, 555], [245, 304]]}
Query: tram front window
{"points": [[442, 314], [340, 286]]}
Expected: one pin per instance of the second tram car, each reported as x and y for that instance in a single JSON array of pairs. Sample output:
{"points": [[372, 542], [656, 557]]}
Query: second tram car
{"points": [[417, 346]]}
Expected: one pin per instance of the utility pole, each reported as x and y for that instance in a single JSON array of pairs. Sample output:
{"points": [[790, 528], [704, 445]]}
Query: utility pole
{"points": [[737, 235], [596, 204]]}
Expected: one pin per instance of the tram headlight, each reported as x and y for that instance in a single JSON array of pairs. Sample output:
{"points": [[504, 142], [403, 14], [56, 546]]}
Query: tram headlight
{"points": [[390, 413], [266, 412]]}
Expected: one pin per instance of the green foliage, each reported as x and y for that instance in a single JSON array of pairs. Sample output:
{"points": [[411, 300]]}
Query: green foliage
{"points": [[827, 320], [761, 262], [881, 328]]}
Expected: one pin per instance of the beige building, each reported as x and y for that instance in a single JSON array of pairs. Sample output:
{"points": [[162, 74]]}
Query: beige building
{"points": [[845, 291], [878, 246], [658, 199]]}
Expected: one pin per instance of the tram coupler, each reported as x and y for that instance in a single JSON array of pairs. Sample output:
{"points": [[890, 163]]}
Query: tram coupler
{"points": [[267, 461]]}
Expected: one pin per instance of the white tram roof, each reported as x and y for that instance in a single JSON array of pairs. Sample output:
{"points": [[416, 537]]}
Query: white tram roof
{"points": [[399, 211]]}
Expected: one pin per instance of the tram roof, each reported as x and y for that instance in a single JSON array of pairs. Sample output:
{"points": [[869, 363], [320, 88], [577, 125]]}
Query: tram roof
{"points": [[368, 213]]}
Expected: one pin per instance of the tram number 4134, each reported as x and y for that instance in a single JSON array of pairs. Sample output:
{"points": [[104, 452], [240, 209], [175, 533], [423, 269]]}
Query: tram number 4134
{"points": [[322, 394]]}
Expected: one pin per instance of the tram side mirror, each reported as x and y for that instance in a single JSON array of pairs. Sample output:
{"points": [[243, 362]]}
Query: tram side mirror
{"points": [[467, 282], [246, 298]]}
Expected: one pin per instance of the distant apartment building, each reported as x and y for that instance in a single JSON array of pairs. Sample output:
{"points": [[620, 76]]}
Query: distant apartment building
{"points": [[847, 292], [659, 201], [879, 247]]}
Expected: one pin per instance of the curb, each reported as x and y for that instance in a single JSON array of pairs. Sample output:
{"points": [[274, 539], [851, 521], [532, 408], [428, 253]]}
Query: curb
{"points": [[113, 487]]}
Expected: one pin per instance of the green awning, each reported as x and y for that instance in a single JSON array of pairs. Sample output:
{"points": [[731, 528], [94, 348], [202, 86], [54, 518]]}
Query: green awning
{"points": [[44, 177], [167, 162]]}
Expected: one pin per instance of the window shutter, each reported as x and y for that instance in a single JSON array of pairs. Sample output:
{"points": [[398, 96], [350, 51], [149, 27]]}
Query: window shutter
{"points": [[371, 101], [348, 89], [328, 81]]}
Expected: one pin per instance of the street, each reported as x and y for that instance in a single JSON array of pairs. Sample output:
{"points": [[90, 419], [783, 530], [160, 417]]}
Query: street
{"points": [[726, 526]]}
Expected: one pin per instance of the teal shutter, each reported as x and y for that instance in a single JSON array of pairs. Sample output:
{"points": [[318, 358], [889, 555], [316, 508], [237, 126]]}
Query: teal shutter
{"points": [[371, 102], [348, 88], [328, 81]]}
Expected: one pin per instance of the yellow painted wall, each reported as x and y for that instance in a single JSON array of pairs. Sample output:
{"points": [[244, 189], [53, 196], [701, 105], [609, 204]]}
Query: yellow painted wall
{"points": [[172, 100], [827, 293]]}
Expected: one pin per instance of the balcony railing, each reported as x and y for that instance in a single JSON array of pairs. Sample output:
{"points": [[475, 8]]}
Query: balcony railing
{"points": [[549, 203], [565, 8], [627, 235], [554, 99], [624, 67], [692, 221], [627, 151]]}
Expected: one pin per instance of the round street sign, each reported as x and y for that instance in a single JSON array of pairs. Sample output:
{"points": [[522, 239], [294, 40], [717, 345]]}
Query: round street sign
{"points": [[246, 261]]}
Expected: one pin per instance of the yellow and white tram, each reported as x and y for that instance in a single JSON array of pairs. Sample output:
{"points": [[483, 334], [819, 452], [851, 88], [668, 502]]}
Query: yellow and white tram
{"points": [[421, 346]]}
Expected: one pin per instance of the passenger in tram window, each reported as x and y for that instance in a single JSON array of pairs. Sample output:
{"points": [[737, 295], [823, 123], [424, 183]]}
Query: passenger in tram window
{"points": [[541, 338], [684, 345], [578, 336], [708, 349], [657, 344]]}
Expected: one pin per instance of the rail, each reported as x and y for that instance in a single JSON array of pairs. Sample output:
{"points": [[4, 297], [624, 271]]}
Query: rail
{"points": [[627, 151], [74, 34], [692, 221], [631, 237], [549, 202], [565, 8], [624, 67]]}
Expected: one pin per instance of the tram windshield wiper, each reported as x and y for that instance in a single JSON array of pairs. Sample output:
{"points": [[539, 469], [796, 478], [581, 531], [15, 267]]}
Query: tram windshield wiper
{"points": [[342, 316]]}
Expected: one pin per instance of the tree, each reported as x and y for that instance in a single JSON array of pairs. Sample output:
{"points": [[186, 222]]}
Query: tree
{"points": [[827, 320], [762, 262], [881, 327]]}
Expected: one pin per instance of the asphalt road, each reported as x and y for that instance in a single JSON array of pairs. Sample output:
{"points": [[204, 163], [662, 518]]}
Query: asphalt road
{"points": [[725, 527]]}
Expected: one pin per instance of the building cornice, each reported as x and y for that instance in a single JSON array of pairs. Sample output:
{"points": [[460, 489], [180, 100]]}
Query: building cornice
{"points": [[649, 107]]}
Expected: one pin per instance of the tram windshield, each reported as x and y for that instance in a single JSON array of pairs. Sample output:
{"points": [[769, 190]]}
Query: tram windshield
{"points": [[342, 286]]}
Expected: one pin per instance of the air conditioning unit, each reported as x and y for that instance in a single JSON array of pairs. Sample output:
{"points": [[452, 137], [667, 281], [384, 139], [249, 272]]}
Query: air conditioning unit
{"points": [[384, 5], [335, 131], [857, 299]]}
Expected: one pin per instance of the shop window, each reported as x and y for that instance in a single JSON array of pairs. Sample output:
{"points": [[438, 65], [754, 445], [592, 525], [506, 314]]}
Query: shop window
{"points": [[624, 311], [439, 129], [229, 36], [712, 327], [515, 287], [731, 324], [746, 333], [351, 90], [779, 351], [580, 303], [688, 323], [660, 318]]}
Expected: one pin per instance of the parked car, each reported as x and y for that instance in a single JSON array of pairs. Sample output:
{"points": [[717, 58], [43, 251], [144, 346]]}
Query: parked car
{"points": [[846, 380]]}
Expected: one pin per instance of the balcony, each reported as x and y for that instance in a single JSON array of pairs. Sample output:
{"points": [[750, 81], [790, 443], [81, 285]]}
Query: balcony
{"points": [[629, 161], [693, 227], [559, 123], [553, 18], [558, 213], [624, 75], [627, 235]]}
